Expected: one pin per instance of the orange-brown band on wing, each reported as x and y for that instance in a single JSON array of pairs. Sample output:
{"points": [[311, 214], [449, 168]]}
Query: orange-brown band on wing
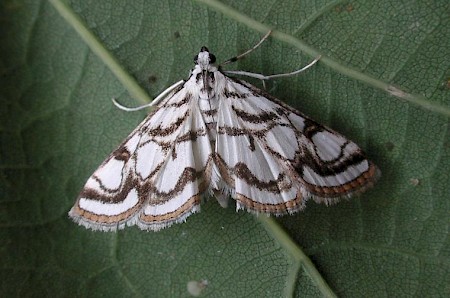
{"points": [[194, 200], [106, 219], [280, 208], [364, 181]]}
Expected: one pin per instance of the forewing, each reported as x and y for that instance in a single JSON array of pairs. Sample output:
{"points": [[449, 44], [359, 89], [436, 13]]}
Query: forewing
{"points": [[181, 173], [274, 158], [133, 185]]}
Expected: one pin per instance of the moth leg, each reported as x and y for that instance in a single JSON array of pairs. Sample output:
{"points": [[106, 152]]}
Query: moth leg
{"points": [[152, 103], [280, 75], [236, 58]]}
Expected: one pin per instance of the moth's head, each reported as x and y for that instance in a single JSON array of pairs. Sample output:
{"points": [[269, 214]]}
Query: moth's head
{"points": [[204, 58]]}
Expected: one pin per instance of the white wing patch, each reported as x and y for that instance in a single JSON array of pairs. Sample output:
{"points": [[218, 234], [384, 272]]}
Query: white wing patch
{"points": [[226, 137]]}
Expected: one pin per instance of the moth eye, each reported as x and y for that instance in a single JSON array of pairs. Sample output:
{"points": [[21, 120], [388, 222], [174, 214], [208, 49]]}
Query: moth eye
{"points": [[212, 58], [195, 59]]}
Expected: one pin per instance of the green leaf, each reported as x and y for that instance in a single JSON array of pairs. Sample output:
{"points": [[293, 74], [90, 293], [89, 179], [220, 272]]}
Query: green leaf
{"points": [[383, 81]]}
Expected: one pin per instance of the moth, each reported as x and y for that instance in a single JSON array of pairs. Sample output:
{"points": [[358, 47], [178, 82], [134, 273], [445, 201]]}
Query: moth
{"points": [[219, 135]]}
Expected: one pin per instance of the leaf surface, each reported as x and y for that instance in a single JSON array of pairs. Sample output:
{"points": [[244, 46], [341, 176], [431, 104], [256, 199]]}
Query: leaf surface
{"points": [[58, 124]]}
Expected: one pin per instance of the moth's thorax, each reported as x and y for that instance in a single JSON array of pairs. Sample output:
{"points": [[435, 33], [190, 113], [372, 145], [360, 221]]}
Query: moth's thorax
{"points": [[208, 100], [203, 74], [204, 82]]}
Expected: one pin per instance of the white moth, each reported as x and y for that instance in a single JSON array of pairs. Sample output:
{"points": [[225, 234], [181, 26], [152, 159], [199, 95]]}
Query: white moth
{"points": [[222, 136]]}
